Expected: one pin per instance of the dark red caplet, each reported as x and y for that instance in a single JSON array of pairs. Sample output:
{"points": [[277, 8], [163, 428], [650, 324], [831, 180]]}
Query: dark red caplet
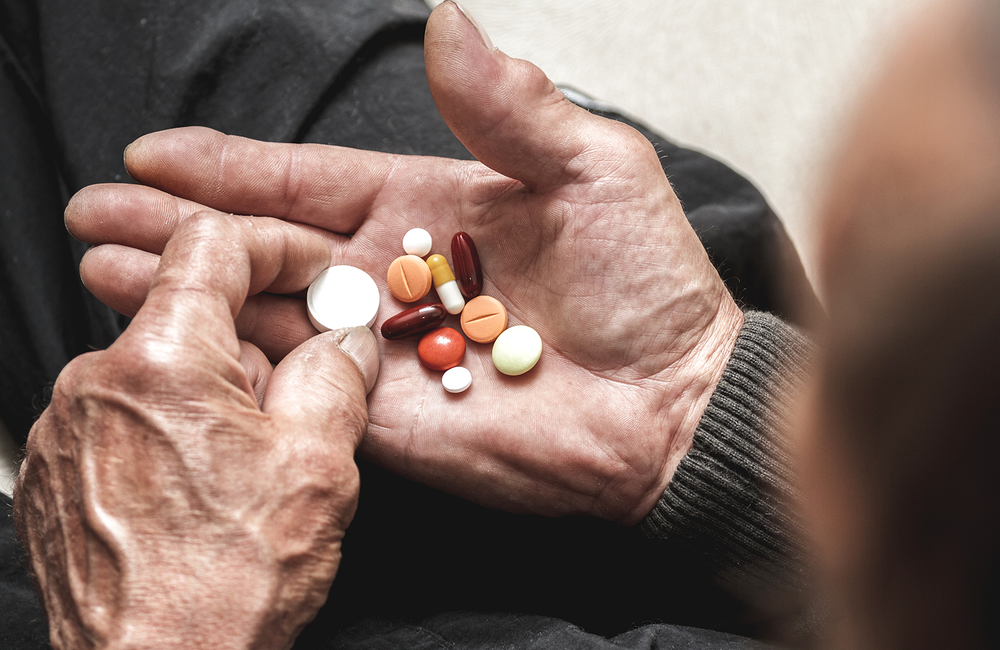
{"points": [[413, 321], [465, 260]]}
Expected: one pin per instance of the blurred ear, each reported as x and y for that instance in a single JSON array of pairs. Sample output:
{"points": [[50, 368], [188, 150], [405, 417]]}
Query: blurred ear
{"points": [[920, 154]]}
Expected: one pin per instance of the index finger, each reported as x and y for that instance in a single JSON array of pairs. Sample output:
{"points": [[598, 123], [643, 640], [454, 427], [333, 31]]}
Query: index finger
{"points": [[213, 262], [326, 186]]}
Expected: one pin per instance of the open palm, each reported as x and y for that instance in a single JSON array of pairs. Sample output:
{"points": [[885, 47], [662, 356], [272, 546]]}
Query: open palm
{"points": [[580, 236]]}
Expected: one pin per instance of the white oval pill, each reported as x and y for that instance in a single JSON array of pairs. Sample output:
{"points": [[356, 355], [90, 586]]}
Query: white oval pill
{"points": [[342, 296], [456, 379], [417, 241], [517, 350]]}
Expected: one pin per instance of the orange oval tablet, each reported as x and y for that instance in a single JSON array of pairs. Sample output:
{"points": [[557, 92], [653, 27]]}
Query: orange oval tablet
{"points": [[409, 278], [484, 319]]}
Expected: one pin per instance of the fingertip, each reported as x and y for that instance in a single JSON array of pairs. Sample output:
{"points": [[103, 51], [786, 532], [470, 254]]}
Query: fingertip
{"points": [[443, 9], [127, 157], [86, 268], [456, 56], [91, 214], [155, 152], [323, 383], [506, 111], [76, 211], [94, 264], [135, 155], [118, 276]]}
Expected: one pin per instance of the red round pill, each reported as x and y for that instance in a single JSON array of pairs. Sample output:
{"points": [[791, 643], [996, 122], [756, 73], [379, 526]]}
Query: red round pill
{"points": [[441, 349]]}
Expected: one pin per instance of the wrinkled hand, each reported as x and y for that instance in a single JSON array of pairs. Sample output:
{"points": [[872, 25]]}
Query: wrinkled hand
{"points": [[580, 236], [160, 505]]}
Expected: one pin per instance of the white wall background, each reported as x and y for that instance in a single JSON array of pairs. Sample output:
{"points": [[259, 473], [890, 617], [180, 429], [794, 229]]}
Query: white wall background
{"points": [[760, 84]]}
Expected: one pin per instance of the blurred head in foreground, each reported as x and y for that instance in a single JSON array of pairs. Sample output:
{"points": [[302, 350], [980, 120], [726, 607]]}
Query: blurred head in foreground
{"points": [[902, 432]]}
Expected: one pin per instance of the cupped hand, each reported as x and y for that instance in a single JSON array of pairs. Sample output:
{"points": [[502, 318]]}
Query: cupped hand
{"points": [[580, 236], [179, 493]]}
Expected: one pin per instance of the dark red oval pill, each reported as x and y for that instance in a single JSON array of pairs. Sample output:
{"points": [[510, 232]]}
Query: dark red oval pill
{"points": [[441, 349], [413, 321], [465, 260]]}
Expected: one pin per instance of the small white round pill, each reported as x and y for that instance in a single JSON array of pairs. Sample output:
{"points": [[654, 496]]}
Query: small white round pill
{"points": [[517, 350], [456, 379], [342, 296], [417, 241]]}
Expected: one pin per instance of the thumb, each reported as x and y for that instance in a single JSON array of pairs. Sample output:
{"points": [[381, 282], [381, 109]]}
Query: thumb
{"points": [[505, 110], [321, 385]]}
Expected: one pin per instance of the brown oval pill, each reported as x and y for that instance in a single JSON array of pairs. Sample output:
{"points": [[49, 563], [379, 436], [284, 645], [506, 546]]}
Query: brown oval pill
{"points": [[484, 319], [415, 320], [409, 278], [465, 258]]}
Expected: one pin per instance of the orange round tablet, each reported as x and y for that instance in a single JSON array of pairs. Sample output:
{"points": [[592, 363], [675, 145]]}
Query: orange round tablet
{"points": [[484, 319], [409, 278]]}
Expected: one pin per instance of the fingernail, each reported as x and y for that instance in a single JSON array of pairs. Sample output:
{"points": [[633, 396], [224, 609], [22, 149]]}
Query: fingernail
{"points": [[475, 23], [133, 148], [360, 345], [125, 156]]}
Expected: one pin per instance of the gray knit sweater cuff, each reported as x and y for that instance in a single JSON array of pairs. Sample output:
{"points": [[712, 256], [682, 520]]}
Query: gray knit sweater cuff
{"points": [[729, 498]]}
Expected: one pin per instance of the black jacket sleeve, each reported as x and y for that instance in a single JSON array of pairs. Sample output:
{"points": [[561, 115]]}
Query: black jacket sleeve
{"points": [[731, 499]]}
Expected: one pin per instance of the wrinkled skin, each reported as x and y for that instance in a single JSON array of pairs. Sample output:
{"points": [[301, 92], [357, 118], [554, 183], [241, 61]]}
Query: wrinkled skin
{"points": [[178, 492], [160, 504], [580, 235]]}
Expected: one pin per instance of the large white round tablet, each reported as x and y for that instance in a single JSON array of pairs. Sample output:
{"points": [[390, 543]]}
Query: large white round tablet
{"points": [[456, 379], [517, 350], [342, 296], [417, 241]]}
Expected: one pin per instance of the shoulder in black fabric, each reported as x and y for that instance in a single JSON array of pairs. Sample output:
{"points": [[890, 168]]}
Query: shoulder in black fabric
{"points": [[46, 315], [256, 68]]}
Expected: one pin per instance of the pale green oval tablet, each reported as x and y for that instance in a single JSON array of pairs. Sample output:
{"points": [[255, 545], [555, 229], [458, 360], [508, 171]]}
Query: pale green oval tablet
{"points": [[517, 350]]}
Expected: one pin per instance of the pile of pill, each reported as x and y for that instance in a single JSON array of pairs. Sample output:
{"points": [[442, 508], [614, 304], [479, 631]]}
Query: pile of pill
{"points": [[483, 318], [345, 296]]}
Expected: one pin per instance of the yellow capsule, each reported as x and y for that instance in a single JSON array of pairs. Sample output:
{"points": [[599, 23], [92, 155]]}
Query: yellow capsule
{"points": [[440, 270], [444, 282]]}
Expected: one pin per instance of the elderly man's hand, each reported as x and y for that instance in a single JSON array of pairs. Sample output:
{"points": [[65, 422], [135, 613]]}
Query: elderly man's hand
{"points": [[580, 236], [177, 492]]}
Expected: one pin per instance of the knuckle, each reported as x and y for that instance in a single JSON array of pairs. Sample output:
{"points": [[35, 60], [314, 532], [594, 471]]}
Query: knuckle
{"points": [[75, 386], [75, 377], [529, 75], [347, 414], [140, 363], [629, 139], [318, 462], [208, 227], [148, 361]]}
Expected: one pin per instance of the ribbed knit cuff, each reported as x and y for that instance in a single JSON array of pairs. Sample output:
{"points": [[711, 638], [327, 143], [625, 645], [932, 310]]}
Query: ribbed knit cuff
{"points": [[729, 498]]}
